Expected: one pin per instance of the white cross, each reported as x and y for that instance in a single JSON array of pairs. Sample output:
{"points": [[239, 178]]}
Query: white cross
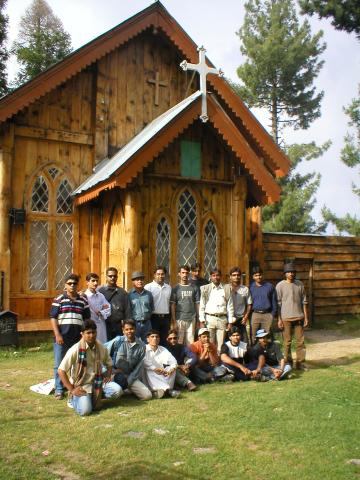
{"points": [[203, 70]]}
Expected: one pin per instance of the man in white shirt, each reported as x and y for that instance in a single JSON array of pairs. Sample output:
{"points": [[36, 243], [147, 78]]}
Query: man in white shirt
{"points": [[161, 291], [159, 367], [100, 308], [216, 308]]}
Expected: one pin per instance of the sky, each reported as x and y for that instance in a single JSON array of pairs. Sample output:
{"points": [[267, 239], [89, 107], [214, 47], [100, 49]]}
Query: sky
{"points": [[214, 24]]}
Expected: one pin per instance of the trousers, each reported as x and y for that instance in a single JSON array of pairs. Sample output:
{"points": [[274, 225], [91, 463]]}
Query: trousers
{"points": [[294, 328], [83, 405]]}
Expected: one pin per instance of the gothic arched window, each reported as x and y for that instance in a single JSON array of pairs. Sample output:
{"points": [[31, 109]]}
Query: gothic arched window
{"points": [[51, 231], [187, 229], [210, 247], [163, 244]]}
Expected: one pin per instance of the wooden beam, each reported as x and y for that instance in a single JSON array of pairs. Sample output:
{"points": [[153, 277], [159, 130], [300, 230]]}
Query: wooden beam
{"points": [[55, 135], [192, 180]]}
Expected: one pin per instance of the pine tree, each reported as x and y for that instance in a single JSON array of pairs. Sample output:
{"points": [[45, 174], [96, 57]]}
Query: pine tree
{"points": [[345, 14], [4, 54], [42, 41], [282, 64]]}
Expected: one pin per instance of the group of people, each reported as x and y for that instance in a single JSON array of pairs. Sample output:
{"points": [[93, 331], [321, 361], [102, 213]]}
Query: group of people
{"points": [[155, 340]]}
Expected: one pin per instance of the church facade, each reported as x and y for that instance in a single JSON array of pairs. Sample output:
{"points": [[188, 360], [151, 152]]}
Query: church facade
{"points": [[105, 161]]}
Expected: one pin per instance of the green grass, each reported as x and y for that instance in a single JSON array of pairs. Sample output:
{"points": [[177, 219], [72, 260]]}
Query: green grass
{"points": [[305, 428], [352, 325]]}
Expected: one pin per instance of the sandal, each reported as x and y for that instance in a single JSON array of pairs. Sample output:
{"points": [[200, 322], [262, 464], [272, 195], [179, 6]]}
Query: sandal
{"points": [[59, 396]]}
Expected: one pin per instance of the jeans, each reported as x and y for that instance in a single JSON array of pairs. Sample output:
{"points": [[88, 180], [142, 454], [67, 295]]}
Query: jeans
{"points": [[207, 373], [83, 404], [238, 374], [59, 354], [268, 373], [142, 329]]}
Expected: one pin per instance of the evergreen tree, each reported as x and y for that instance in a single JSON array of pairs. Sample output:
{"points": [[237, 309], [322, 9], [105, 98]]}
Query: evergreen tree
{"points": [[41, 42], [4, 54], [282, 63], [350, 155], [345, 14], [293, 211]]}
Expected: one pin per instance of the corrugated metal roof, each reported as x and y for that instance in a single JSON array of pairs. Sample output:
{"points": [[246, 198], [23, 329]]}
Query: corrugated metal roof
{"points": [[107, 167]]}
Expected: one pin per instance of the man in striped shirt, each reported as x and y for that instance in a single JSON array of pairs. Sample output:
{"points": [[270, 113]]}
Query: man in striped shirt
{"points": [[68, 311]]}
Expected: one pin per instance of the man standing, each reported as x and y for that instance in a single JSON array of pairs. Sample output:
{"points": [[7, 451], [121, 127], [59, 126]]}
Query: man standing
{"points": [[99, 307], [292, 315], [196, 278], [242, 302], [159, 367], [208, 368], [142, 305], [81, 372], [119, 302], [161, 291], [216, 308], [67, 314], [184, 303], [128, 353], [264, 306]]}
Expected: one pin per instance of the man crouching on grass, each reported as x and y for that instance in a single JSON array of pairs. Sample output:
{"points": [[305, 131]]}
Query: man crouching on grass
{"points": [[81, 372]]}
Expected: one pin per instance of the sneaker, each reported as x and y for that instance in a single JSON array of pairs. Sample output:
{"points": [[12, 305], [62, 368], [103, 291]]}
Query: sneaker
{"points": [[59, 396], [159, 393], [302, 366], [226, 378], [69, 403], [174, 393], [191, 387]]}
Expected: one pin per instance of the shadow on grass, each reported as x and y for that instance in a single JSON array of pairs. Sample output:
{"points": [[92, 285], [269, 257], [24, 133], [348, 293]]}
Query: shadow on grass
{"points": [[331, 362]]}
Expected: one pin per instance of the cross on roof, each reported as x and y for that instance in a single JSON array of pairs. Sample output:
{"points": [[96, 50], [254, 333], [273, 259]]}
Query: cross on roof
{"points": [[158, 83], [203, 70]]}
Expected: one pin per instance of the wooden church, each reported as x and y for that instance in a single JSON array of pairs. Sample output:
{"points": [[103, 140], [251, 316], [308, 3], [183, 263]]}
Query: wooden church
{"points": [[118, 156]]}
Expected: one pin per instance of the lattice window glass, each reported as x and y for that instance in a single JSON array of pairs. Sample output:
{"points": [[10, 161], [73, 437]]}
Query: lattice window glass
{"points": [[187, 243], [53, 172], [163, 244], [63, 198], [40, 196], [210, 248], [64, 249], [38, 260]]}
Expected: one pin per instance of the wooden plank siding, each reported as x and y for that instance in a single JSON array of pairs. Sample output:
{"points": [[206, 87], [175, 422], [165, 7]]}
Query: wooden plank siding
{"points": [[329, 265]]}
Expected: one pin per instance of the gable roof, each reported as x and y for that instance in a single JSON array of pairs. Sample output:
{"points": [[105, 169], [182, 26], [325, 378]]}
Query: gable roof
{"points": [[119, 170], [157, 16]]}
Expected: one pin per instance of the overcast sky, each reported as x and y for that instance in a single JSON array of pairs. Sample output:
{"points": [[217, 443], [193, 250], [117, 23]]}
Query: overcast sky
{"points": [[214, 24]]}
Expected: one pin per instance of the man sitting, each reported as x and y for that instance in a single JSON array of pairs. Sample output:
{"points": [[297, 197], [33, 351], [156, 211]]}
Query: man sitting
{"points": [[185, 358], [81, 372], [128, 353], [270, 360], [208, 368], [234, 355], [159, 367]]}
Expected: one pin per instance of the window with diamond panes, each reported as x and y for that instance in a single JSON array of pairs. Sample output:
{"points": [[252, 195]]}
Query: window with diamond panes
{"points": [[38, 260], [64, 248], [40, 196], [210, 248], [187, 229], [63, 199], [163, 244]]}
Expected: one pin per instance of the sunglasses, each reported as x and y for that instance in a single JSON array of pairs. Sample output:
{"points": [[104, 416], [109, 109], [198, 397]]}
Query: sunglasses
{"points": [[71, 283]]}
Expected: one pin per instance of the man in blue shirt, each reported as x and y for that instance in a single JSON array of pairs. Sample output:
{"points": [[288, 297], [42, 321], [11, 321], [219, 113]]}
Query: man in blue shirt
{"points": [[264, 306], [142, 305]]}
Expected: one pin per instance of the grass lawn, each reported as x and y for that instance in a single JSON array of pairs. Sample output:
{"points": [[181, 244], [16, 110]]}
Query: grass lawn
{"points": [[305, 428]]}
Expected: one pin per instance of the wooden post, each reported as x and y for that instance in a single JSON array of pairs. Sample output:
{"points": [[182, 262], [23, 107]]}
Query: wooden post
{"points": [[239, 195], [6, 153], [131, 233]]}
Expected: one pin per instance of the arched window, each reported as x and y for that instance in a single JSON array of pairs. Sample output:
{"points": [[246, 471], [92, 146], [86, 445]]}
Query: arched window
{"points": [[187, 229], [163, 244], [51, 231], [210, 247]]}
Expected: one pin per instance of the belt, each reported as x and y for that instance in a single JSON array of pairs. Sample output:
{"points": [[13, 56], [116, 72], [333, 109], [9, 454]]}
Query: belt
{"points": [[217, 314], [261, 311], [141, 321], [161, 315]]}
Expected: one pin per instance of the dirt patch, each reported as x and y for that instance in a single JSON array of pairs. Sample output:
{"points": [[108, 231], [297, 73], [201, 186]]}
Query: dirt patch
{"points": [[331, 347]]}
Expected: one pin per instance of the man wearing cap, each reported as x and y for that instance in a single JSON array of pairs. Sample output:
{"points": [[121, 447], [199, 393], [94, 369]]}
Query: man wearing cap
{"points": [[216, 308], [292, 314], [118, 299], [161, 291], [142, 305], [208, 369], [270, 360], [264, 306]]}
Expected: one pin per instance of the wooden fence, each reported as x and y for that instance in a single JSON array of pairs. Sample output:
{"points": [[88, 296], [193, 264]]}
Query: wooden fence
{"points": [[329, 267]]}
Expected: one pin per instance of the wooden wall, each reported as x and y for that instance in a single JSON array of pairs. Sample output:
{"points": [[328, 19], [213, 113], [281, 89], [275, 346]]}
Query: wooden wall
{"points": [[328, 265]]}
